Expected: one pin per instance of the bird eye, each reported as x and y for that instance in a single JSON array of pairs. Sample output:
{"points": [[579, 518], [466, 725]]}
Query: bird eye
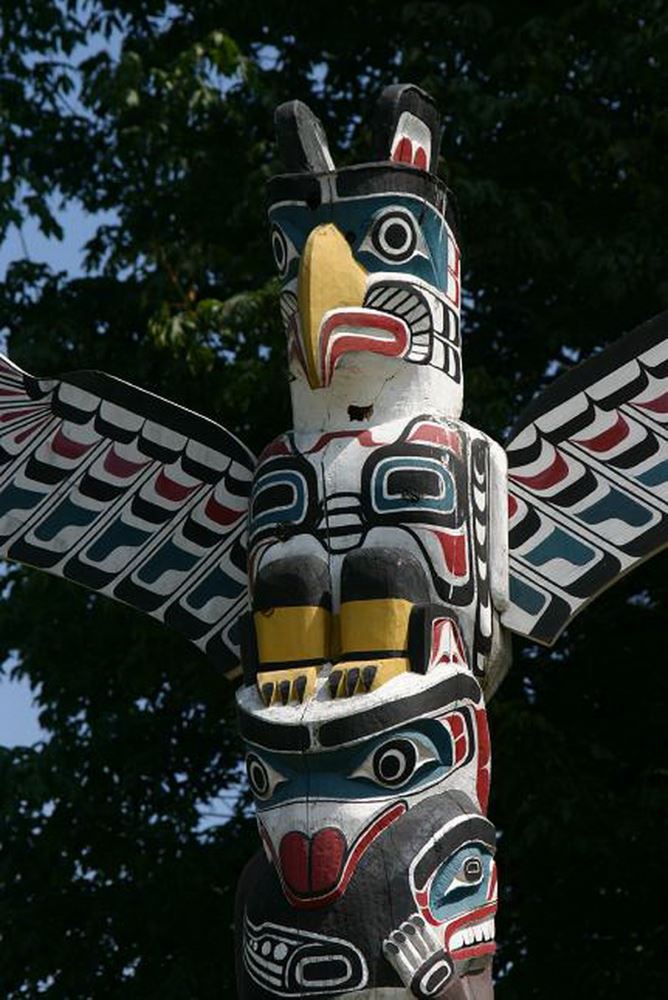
{"points": [[262, 778], [395, 236], [394, 763], [283, 250]]}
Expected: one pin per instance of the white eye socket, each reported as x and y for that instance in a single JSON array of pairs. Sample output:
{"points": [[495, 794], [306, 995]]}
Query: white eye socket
{"points": [[470, 874], [262, 777], [283, 249], [395, 236], [394, 763]]}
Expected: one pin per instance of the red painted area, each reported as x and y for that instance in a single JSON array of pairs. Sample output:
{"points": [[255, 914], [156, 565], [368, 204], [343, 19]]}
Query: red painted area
{"points": [[364, 438], [436, 434], [658, 405], [553, 474], [297, 867], [606, 439], [403, 151], [337, 338], [328, 849], [29, 431], [468, 919], [281, 446], [454, 552], [512, 505], [170, 489], [122, 468], [66, 447], [220, 514], [20, 412], [484, 760], [420, 158]]}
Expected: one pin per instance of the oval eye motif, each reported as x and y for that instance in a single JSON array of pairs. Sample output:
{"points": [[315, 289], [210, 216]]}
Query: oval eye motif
{"points": [[262, 778], [469, 875], [394, 763], [282, 249], [395, 236]]}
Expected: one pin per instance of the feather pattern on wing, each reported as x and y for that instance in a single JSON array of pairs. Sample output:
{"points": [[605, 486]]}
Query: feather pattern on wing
{"points": [[129, 495], [588, 481]]}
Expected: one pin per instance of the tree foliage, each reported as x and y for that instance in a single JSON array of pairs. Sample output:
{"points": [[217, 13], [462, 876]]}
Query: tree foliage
{"points": [[160, 115]]}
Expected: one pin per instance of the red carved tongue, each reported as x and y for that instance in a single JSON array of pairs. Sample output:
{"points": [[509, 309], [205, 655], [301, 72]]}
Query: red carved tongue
{"points": [[312, 867]]}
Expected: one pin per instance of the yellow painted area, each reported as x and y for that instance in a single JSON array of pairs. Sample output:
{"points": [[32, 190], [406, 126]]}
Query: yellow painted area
{"points": [[275, 677], [385, 671], [377, 624], [329, 278], [300, 634]]}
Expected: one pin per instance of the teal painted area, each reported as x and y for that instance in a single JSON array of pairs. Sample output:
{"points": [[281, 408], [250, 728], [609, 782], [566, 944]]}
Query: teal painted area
{"points": [[355, 217], [117, 535], [168, 557], [216, 584], [526, 597], [560, 545], [655, 476], [616, 505], [66, 515], [16, 498]]}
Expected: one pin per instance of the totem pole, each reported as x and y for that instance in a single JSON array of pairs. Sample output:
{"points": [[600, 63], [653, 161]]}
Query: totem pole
{"points": [[368, 566]]}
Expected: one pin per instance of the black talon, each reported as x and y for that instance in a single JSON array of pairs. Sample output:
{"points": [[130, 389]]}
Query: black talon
{"points": [[334, 681], [300, 687], [351, 681], [267, 693], [284, 691], [368, 676]]}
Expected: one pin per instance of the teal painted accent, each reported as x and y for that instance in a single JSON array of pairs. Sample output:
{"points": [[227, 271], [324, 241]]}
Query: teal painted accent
{"points": [[655, 476], [616, 505], [291, 514], [354, 218], [560, 545], [67, 514], [444, 504], [216, 584], [117, 535], [526, 597], [16, 498], [169, 556]]}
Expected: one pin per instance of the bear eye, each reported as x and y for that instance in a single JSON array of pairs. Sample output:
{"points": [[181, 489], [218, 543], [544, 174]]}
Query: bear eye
{"points": [[394, 763], [470, 873], [262, 777], [283, 249], [395, 236]]}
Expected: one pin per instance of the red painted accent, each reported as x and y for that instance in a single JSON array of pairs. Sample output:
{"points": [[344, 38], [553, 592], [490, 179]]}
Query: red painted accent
{"points": [[491, 892], [364, 438], [658, 405], [420, 158], [484, 759], [170, 489], [436, 434], [334, 344], [280, 446], [301, 900], [11, 392], [122, 468], [220, 514], [512, 505], [550, 476], [474, 950], [475, 917], [456, 724], [294, 855], [606, 439], [20, 412], [453, 548], [29, 431], [328, 849], [62, 445], [403, 151]]}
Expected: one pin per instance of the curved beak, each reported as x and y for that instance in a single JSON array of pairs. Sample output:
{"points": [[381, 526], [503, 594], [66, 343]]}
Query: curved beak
{"points": [[329, 278]]}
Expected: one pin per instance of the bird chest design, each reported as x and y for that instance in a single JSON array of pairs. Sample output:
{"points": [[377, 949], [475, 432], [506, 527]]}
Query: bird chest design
{"points": [[362, 577]]}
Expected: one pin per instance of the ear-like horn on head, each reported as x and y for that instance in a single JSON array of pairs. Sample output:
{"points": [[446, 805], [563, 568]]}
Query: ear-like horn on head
{"points": [[302, 141], [407, 127]]}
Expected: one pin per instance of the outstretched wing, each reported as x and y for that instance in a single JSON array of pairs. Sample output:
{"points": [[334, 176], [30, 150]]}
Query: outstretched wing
{"points": [[588, 481], [128, 495]]}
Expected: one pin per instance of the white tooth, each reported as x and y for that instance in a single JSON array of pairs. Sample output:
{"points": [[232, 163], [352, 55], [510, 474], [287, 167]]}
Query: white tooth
{"points": [[457, 940], [479, 933], [468, 935]]}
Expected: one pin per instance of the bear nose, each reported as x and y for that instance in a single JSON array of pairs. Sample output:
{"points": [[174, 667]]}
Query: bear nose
{"points": [[312, 866]]}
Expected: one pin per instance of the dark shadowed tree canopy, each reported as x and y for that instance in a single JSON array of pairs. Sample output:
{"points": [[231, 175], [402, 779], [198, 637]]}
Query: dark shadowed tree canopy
{"points": [[160, 115]]}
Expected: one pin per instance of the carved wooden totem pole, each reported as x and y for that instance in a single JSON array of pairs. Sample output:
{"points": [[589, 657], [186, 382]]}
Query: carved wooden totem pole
{"points": [[369, 564]]}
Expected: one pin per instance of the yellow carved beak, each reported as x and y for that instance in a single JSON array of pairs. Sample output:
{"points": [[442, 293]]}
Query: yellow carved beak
{"points": [[329, 278]]}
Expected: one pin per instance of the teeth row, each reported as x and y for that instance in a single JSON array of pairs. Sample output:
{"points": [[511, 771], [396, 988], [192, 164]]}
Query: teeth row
{"points": [[472, 935]]}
